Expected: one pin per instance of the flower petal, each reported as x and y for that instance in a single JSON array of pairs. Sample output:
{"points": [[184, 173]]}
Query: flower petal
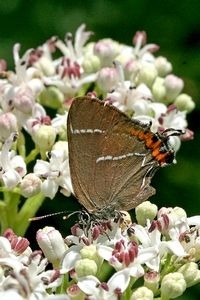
{"points": [[120, 280], [71, 256]]}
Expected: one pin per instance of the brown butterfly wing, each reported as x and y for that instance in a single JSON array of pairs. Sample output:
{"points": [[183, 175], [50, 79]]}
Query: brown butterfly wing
{"points": [[109, 165]]}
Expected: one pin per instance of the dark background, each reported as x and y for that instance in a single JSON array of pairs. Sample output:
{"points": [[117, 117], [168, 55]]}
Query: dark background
{"points": [[174, 25]]}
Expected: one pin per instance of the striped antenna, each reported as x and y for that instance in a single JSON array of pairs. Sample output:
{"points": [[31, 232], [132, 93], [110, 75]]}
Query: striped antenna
{"points": [[54, 214], [49, 215]]}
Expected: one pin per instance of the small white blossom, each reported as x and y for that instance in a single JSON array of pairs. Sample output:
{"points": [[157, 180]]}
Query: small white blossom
{"points": [[51, 243], [154, 239], [111, 290], [55, 172], [12, 166]]}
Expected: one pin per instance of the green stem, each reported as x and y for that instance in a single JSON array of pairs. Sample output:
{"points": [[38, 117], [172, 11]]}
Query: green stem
{"points": [[12, 201], [21, 144], [104, 271], [8, 210], [28, 211], [32, 155], [3, 217], [65, 282], [127, 294], [168, 266]]}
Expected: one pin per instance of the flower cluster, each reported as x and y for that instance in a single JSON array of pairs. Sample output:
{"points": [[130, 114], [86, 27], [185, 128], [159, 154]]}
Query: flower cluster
{"points": [[157, 259], [34, 101]]}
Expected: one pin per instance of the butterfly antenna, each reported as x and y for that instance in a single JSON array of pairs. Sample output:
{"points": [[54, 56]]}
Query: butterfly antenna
{"points": [[50, 215]]}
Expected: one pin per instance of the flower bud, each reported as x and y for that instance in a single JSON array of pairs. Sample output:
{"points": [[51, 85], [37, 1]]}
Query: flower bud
{"points": [[142, 293], [88, 252], [61, 146], [74, 292], [106, 50], [173, 85], [180, 212], [30, 185], [163, 66], [184, 103], [24, 99], [45, 65], [85, 266], [174, 215], [191, 273], [145, 210], [131, 68], [3, 65], [140, 37], [8, 124], [51, 97], [173, 285], [91, 63], [91, 253], [34, 80], [52, 244], [151, 281], [147, 74], [44, 137], [158, 89], [107, 79]]}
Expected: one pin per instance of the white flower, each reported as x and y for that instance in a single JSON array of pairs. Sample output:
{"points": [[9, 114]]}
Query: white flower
{"points": [[30, 280], [38, 117], [70, 258], [69, 86], [127, 255], [11, 293], [125, 94], [111, 290], [56, 174], [25, 75], [147, 111], [76, 51], [143, 50], [8, 124], [12, 166], [30, 185], [52, 244], [69, 77], [22, 87], [154, 239], [79, 239], [195, 220], [60, 122], [174, 118], [189, 236], [25, 274]]}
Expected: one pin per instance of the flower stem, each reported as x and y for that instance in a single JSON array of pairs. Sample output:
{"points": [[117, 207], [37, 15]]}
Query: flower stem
{"points": [[8, 210], [31, 156], [27, 211]]}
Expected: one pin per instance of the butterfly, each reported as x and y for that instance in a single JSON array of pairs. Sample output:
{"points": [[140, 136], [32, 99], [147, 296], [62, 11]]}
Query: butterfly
{"points": [[113, 158]]}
